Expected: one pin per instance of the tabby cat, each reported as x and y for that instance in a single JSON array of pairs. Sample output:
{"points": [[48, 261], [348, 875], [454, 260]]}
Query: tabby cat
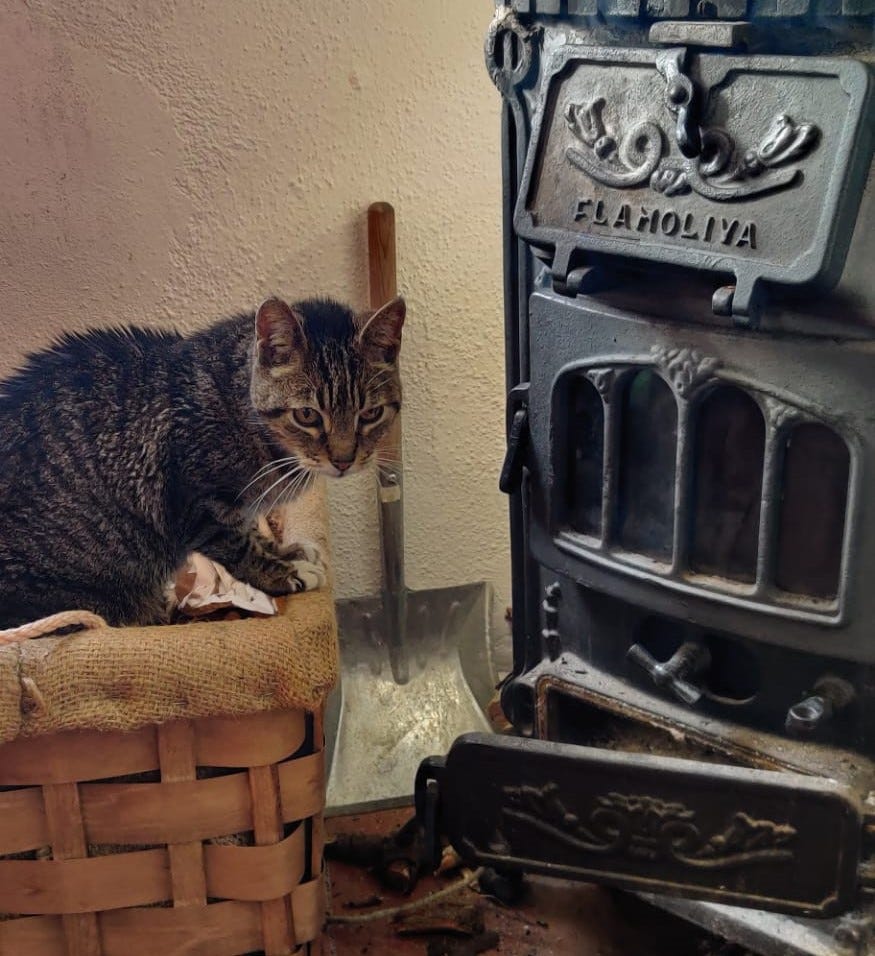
{"points": [[123, 450]]}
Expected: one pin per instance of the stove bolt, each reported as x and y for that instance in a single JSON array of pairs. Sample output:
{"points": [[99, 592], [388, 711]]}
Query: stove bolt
{"points": [[830, 695], [805, 717]]}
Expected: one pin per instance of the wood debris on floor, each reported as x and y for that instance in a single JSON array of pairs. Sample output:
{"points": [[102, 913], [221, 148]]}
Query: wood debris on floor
{"points": [[553, 917]]}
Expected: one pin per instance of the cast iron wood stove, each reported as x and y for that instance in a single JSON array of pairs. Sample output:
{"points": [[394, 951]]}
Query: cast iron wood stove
{"points": [[689, 259]]}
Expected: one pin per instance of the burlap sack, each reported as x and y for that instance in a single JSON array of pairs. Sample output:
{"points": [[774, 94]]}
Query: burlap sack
{"points": [[124, 678]]}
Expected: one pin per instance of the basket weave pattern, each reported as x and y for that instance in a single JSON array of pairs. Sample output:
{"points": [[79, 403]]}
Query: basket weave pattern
{"points": [[217, 852]]}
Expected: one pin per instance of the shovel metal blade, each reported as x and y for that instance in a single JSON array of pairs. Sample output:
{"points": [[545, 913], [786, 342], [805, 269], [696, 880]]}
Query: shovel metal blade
{"points": [[395, 704]]}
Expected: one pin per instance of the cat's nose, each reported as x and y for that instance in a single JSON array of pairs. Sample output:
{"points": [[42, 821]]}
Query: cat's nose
{"points": [[342, 466]]}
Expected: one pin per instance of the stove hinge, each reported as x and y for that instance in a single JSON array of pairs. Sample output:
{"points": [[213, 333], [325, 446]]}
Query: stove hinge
{"points": [[517, 439]]}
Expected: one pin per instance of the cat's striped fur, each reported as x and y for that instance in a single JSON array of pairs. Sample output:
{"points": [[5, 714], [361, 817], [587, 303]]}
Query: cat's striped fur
{"points": [[122, 450]]}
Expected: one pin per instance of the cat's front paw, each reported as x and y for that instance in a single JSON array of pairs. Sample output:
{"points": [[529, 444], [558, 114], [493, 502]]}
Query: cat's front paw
{"points": [[306, 576], [307, 568], [296, 567], [303, 550]]}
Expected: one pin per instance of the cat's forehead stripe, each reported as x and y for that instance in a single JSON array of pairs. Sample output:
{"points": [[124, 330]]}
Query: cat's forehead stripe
{"points": [[338, 370]]}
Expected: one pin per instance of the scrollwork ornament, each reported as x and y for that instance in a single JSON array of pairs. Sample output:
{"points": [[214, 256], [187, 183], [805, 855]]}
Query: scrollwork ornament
{"points": [[780, 414], [603, 379], [642, 827], [686, 369], [754, 173], [720, 172], [621, 162]]}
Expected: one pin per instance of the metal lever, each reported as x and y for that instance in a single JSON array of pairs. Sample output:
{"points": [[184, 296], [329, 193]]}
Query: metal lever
{"points": [[690, 658], [512, 469]]}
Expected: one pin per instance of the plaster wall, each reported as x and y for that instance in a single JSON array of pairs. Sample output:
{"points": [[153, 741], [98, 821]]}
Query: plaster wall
{"points": [[170, 161]]}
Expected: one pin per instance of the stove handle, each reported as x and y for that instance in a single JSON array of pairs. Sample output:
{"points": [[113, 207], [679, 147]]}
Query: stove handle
{"points": [[517, 439], [689, 659]]}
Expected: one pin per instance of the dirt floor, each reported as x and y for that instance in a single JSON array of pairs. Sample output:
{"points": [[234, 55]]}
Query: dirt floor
{"points": [[555, 917]]}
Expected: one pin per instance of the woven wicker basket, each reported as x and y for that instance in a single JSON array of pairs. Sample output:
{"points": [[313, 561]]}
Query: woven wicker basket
{"points": [[200, 837]]}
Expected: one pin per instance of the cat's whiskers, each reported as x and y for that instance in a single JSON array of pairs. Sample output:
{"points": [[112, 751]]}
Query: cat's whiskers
{"points": [[379, 377], [384, 448], [295, 486], [267, 469], [278, 463], [374, 386], [285, 476], [268, 465], [385, 370]]}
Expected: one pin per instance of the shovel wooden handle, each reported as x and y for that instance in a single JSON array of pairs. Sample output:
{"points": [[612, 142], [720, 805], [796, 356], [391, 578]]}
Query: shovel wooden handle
{"points": [[382, 276], [383, 287]]}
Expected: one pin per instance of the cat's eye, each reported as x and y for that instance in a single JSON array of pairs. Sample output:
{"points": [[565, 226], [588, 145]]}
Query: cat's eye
{"points": [[306, 416], [370, 415]]}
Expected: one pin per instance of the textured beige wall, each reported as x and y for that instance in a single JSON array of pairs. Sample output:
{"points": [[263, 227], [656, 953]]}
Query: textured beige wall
{"points": [[168, 161]]}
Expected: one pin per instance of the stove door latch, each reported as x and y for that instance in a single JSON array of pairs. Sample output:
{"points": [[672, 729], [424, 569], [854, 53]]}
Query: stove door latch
{"points": [[683, 99], [517, 439]]}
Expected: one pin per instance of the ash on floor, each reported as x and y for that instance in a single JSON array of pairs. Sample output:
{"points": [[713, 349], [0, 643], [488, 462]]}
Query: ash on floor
{"points": [[556, 917]]}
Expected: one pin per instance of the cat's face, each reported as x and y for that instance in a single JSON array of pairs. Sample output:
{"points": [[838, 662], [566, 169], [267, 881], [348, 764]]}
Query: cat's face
{"points": [[325, 381]]}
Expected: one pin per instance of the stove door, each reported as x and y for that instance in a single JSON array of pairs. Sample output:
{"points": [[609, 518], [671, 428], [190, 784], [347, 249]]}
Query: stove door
{"points": [[746, 165], [775, 841], [704, 474]]}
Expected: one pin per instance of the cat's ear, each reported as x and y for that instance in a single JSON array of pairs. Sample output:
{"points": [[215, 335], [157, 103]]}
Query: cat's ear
{"points": [[382, 330], [279, 332]]}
